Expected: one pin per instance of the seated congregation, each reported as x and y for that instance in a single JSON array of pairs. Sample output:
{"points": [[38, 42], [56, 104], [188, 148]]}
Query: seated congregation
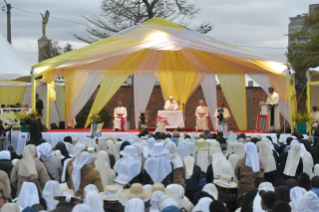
{"points": [[162, 173]]}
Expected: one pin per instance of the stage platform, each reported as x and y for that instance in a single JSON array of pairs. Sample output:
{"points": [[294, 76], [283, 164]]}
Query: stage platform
{"points": [[19, 139]]}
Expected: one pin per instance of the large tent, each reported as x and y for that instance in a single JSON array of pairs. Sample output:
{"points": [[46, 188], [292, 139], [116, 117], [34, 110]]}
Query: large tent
{"points": [[12, 69], [179, 58], [312, 90]]}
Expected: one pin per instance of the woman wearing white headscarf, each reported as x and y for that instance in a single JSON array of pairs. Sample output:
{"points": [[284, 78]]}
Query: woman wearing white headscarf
{"points": [[178, 193], [29, 169], [211, 189], [118, 145], [202, 155], [296, 194], [307, 160], [192, 147], [290, 163], [248, 168], [151, 141], [134, 205], [29, 195], [52, 163], [178, 165], [156, 196], [239, 149], [52, 188], [233, 160], [266, 155], [231, 138], [112, 150], [203, 204], [230, 149], [166, 201], [193, 173], [103, 145], [83, 174], [158, 168], [309, 202], [140, 150], [81, 208], [5, 162], [316, 170], [183, 149], [103, 166], [94, 201], [129, 164]]}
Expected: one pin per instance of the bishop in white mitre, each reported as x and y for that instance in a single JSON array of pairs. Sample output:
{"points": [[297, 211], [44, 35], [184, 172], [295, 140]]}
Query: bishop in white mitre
{"points": [[171, 104], [120, 117], [273, 103], [201, 114], [226, 113]]}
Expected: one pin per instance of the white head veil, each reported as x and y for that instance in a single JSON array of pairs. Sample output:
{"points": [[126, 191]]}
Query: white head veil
{"points": [[112, 150], [88, 188], [103, 166], [29, 195], [292, 160], [158, 167], [257, 200], [189, 166], [192, 148], [134, 205], [203, 204], [221, 165], [211, 189], [296, 194], [118, 145], [307, 160], [316, 170], [151, 141], [45, 149], [65, 164], [173, 155], [233, 159], [27, 164], [230, 149], [156, 196], [5, 155], [202, 160], [94, 201], [79, 147], [139, 149], [252, 159], [81, 208], [166, 201], [81, 160], [129, 165], [51, 189], [239, 149], [231, 138], [183, 149], [177, 193], [214, 147], [266, 156], [309, 202]]}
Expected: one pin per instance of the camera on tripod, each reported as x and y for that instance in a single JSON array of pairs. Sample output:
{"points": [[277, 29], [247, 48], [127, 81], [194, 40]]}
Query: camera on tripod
{"points": [[220, 115]]}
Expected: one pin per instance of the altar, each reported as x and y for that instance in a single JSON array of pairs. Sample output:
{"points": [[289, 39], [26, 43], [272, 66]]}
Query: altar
{"points": [[175, 118]]}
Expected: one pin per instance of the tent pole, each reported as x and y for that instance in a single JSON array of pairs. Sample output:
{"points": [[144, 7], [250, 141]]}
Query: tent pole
{"points": [[308, 107], [48, 105], [290, 104], [33, 93]]}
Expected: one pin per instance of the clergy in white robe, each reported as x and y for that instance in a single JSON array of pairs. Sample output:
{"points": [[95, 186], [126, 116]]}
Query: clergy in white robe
{"points": [[201, 114], [315, 114], [120, 117], [273, 103], [171, 104], [226, 112]]}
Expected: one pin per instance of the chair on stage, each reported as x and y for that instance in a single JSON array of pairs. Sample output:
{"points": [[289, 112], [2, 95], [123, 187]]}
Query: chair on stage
{"points": [[146, 117]]}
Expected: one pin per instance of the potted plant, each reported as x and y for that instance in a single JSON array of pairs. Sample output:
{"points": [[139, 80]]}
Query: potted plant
{"points": [[161, 123], [22, 116], [95, 120], [301, 119]]}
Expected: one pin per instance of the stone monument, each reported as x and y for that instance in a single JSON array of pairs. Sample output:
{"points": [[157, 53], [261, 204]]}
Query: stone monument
{"points": [[43, 40]]}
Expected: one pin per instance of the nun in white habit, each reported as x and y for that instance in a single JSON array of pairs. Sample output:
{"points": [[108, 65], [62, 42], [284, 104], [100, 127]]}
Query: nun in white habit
{"points": [[202, 155], [51, 189], [29, 195], [134, 205], [94, 200], [239, 149], [266, 156], [183, 149], [129, 164], [203, 204], [178, 165], [316, 170], [306, 160], [103, 166], [309, 202], [292, 161], [233, 159], [296, 195]]}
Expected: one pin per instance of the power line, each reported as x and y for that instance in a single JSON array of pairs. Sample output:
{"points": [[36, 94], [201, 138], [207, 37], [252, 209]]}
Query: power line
{"points": [[260, 47], [50, 16]]}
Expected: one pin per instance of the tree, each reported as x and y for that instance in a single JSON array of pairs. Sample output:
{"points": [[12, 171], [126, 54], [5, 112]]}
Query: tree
{"points": [[303, 51], [52, 49], [118, 15]]}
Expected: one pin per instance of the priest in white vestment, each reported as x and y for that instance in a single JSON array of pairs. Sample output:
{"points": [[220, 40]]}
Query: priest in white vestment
{"points": [[314, 117], [226, 113], [202, 114], [171, 104], [120, 117], [273, 103]]}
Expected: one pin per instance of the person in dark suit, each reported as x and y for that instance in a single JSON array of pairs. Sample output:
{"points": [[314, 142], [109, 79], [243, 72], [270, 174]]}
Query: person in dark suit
{"points": [[14, 155], [35, 128], [2, 130], [39, 105]]}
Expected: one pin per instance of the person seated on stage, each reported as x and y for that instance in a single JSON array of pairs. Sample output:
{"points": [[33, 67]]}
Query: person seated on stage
{"points": [[314, 115], [201, 114], [171, 104], [226, 113], [120, 117], [8, 111], [272, 102]]}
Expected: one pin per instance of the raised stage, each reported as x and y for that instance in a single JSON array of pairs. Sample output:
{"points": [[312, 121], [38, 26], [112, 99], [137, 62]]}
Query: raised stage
{"points": [[19, 139]]}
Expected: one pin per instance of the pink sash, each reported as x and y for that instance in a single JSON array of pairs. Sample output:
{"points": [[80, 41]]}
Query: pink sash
{"points": [[122, 121]]}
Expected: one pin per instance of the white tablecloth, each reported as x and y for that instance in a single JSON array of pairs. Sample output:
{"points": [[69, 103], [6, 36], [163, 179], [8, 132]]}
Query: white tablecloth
{"points": [[174, 117]]}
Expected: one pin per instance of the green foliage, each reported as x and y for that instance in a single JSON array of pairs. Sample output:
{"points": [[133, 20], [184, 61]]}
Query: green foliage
{"points": [[301, 82], [84, 113], [301, 117], [303, 51], [52, 49]]}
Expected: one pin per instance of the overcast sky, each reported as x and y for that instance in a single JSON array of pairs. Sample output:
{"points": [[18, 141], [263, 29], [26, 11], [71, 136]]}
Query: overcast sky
{"points": [[256, 23]]}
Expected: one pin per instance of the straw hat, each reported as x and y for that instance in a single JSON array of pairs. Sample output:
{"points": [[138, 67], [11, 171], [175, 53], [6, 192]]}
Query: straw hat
{"points": [[225, 181], [136, 191], [157, 187], [201, 144], [111, 194], [58, 154], [158, 150]]}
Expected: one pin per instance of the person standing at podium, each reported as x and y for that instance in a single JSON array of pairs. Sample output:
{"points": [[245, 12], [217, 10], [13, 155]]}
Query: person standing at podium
{"points": [[272, 102], [171, 104]]}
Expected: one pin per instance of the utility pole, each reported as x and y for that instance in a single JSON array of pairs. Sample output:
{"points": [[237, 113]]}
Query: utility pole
{"points": [[8, 22]]}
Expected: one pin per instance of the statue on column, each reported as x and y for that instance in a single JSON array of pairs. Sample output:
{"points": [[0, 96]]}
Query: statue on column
{"points": [[45, 20]]}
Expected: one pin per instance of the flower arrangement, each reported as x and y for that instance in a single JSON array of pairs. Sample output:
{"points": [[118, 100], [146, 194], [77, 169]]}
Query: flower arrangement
{"points": [[161, 121], [22, 115], [301, 118], [95, 119]]}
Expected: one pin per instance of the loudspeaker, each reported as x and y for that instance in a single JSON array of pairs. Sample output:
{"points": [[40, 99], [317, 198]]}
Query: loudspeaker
{"points": [[62, 125]]}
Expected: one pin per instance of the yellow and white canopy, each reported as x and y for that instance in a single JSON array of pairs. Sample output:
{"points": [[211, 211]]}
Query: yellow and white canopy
{"points": [[181, 59]]}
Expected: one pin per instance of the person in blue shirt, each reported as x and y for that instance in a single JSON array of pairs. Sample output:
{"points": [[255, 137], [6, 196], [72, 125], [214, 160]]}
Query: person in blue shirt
{"points": [[315, 185]]}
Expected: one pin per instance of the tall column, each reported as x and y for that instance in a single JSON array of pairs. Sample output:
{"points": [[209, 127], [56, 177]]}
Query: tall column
{"points": [[41, 43]]}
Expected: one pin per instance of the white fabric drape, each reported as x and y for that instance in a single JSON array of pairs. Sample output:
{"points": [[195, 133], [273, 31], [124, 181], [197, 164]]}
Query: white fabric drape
{"points": [[57, 104], [263, 81], [143, 87], [209, 89]]}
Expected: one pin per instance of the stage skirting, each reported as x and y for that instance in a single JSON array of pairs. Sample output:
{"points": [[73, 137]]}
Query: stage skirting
{"points": [[19, 139]]}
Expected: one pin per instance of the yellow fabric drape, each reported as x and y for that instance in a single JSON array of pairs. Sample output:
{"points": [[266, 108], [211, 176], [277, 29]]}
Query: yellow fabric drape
{"points": [[267, 67], [233, 86], [69, 81], [11, 95], [113, 80], [176, 76], [61, 93]]}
